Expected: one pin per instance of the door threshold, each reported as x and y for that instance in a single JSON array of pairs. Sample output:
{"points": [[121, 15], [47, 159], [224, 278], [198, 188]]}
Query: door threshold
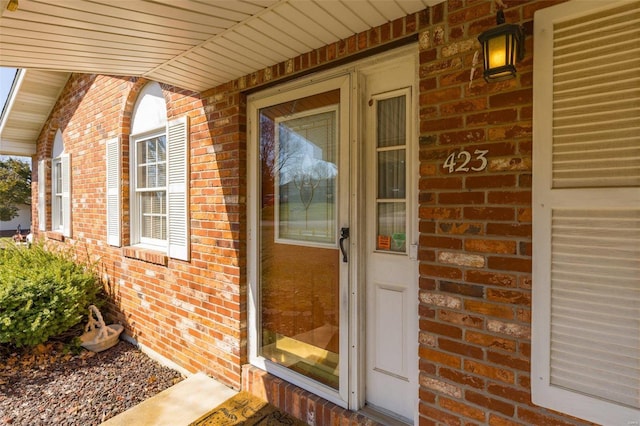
{"points": [[383, 417]]}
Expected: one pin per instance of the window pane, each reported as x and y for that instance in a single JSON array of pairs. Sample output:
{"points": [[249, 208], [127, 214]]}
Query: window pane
{"points": [[153, 211], [152, 176], [161, 149], [391, 174], [151, 165], [299, 269], [307, 171], [58, 176], [392, 123], [142, 177], [151, 151], [161, 175], [391, 227]]}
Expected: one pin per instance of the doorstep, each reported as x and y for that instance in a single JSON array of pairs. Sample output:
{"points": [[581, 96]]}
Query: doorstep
{"points": [[181, 404]]}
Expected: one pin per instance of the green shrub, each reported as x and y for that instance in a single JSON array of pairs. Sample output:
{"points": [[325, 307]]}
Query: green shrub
{"points": [[42, 294]]}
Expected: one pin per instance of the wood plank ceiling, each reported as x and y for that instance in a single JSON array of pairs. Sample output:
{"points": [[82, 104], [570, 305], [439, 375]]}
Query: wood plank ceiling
{"points": [[193, 44]]}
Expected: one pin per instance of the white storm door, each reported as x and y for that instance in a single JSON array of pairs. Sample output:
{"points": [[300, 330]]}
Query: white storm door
{"points": [[299, 277], [391, 266]]}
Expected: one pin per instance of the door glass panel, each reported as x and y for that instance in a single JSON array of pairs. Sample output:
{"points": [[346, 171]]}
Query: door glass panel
{"points": [[391, 227], [299, 265], [391, 126], [305, 182], [392, 174]]}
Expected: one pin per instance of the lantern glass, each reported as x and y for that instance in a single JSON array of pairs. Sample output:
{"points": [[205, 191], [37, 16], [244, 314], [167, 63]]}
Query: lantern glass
{"points": [[498, 50], [502, 46]]}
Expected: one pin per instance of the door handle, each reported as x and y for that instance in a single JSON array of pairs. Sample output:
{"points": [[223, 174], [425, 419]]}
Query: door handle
{"points": [[344, 234]]}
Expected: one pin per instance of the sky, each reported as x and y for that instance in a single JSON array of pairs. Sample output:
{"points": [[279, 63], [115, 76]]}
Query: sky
{"points": [[6, 80]]}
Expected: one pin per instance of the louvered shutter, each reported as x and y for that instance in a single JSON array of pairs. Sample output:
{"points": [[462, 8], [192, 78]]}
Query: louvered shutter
{"points": [[42, 195], [178, 188], [65, 159], [586, 201], [113, 191]]}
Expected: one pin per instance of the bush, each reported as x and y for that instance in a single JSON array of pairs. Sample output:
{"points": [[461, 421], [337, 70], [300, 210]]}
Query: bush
{"points": [[42, 294]]}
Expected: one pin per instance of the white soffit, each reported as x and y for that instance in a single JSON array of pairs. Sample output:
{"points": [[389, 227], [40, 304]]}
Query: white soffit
{"points": [[192, 44], [30, 101]]}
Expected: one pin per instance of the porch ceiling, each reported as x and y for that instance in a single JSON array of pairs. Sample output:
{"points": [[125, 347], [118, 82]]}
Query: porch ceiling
{"points": [[193, 44]]}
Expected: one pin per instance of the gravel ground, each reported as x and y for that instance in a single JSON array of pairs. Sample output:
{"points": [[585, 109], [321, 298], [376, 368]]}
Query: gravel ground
{"points": [[48, 387]]}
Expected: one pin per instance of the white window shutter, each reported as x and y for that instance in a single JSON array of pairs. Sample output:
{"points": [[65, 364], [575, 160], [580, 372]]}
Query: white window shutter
{"points": [[42, 195], [586, 202], [178, 188], [65, 159], [113, 191]]}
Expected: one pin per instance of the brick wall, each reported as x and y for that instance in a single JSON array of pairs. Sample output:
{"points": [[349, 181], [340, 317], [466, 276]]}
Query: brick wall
{"points": [[189, 312], [475, 226]]}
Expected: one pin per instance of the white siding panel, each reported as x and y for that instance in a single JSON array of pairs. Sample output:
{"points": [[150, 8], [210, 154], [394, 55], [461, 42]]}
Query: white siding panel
{"points": [[245, 43], [592, 67], [113, 191], [224, 58], [157, 13], [251, 58], [389, 9], [583, 314], [586, 219], [178, 187], [295, 31], [271, 39], [294, 14], [369, 14], [323, 18], [274, 32], [89, 20], [345, 14]]}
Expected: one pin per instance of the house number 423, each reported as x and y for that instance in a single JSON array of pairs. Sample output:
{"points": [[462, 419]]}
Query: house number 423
{"points": [[464, 161]]}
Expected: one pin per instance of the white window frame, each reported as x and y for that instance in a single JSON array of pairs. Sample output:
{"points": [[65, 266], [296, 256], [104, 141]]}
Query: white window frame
{"points": [[546, 198], [56, 195], [60, 187], [136, 194], [150, 120]]}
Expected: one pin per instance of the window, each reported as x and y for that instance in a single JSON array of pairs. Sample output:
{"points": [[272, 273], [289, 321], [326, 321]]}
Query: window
{"points": [[56, 195], [391, 152], [586, 260], [151, 189], [60, 189], [159, 178]]}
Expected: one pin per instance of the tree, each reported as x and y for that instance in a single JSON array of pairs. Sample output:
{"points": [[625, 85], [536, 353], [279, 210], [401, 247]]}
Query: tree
{"points": [[15, 187]]}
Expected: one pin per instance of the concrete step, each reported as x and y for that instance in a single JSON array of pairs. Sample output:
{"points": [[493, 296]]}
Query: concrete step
{"points": [[178, 405]]}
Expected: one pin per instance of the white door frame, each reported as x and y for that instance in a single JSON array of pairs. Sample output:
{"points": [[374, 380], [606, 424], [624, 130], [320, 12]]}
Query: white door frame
{"points": [[352, 297]]}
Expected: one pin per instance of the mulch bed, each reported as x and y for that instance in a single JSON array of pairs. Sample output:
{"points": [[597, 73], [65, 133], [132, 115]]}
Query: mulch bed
{"points": [[45, 385]]}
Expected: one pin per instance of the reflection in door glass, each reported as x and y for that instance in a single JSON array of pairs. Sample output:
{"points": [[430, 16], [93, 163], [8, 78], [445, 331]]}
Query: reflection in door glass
{"points": [[306, 177], [299, 260], [391, 170]]}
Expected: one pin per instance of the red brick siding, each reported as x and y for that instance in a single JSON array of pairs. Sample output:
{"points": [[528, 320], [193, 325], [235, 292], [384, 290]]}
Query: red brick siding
{"points": [[190, 312], [475, 241], [475, 227]]}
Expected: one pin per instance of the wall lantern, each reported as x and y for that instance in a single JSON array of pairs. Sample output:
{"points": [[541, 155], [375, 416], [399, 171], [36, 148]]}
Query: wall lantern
{"points": [[12, 6], [502, 47]]}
